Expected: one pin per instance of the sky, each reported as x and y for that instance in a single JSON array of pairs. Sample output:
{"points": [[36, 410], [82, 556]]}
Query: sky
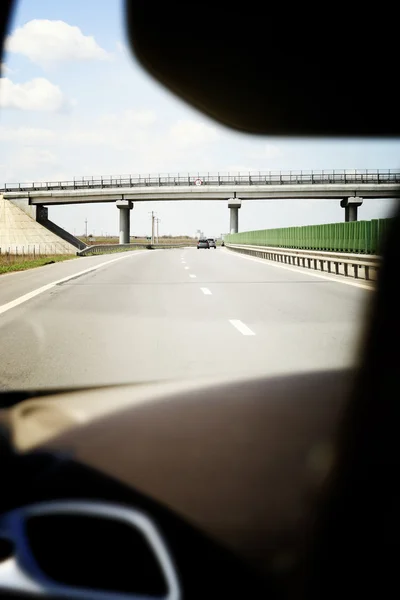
{"points": [[74, 102]]}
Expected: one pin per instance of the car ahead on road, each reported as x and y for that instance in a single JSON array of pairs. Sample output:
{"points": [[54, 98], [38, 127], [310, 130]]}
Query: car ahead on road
{"points": [[211, 243], [203, 244]]}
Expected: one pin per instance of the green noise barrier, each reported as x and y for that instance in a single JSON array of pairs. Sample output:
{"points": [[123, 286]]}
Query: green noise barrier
{"points": [[360, 237]]}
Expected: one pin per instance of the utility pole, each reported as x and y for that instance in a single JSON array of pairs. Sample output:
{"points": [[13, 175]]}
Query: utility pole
{"points": [[157, 222], [86, 229], [152, 226]]}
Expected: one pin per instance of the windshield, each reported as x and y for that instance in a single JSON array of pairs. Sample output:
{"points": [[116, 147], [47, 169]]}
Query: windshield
{"points": [[108, 185]]}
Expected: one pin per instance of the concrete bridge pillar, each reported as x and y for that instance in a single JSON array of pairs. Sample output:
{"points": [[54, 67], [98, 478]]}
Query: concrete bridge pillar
{"points": [[350, 206], [234, 204], [124, 206]]}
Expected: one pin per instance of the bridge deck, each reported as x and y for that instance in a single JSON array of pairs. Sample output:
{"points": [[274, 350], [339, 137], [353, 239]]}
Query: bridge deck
{"points": [[269, 185]]}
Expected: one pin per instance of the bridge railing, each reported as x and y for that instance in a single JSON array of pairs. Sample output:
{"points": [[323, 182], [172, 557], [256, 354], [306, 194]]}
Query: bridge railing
{"points": [[214, 179]]}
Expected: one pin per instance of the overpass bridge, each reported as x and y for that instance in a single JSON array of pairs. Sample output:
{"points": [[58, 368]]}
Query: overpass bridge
{"points": [[348, 186]]}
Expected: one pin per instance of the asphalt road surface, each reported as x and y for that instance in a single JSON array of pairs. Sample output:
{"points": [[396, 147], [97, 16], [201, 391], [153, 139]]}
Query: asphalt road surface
{"points": [[172, 314]]}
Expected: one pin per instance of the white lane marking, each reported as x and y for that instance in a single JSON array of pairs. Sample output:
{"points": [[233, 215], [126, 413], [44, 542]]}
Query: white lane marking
{"points": [[206, 291], [5, 307], [241, 327], [183, 262], [186, 268], [191, 275], [271, 263]]}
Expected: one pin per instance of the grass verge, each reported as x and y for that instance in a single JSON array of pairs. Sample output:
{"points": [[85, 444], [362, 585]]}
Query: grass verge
{"points": [[21, 263]]}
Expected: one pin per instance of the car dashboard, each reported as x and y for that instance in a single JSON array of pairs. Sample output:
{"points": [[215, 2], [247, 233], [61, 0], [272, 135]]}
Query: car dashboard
{"points": [[166, 490]]}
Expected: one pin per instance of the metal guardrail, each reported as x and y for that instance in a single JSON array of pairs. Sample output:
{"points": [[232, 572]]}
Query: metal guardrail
{"points": [[109, 248], [338, 263], [366, 176]]}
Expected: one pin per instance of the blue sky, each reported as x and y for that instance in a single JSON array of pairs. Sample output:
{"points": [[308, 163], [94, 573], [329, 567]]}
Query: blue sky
{"points": [[75, 102]]}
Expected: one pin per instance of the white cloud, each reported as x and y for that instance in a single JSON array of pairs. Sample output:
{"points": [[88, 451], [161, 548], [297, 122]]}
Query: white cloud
{"points": [[142, 117], [30, 164], [130, 117], [80, 136], [266, 152], [26, 135], [125, 142], [47, 42], [124, 130], [239, 168], [4, 69], [34, 157], [123, 48], [187, 133], [38, 94]]}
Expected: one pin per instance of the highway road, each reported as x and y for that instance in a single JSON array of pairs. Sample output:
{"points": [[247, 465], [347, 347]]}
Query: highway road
{"points": [[167, 314]]}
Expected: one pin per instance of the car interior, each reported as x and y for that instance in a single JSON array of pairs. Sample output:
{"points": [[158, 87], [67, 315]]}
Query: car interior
{"points": [[270, 488]]}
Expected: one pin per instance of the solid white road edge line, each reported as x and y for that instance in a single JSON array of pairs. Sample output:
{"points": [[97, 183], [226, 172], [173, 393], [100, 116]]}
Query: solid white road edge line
{"points": [[241, 327], [5, 307]]}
